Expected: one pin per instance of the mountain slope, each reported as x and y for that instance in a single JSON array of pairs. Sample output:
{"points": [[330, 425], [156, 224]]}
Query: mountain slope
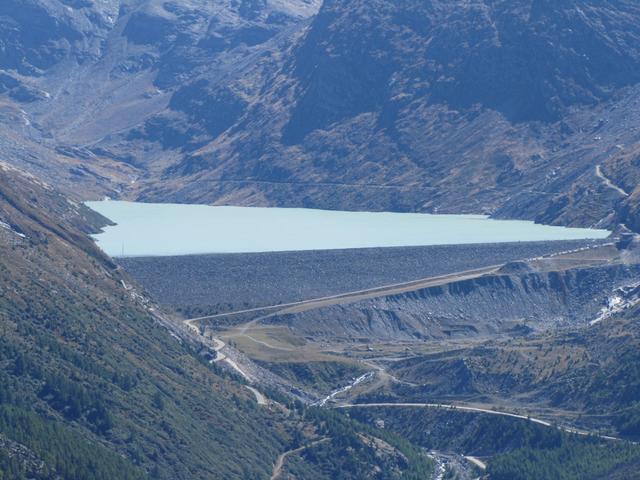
{"points": [[488, 106], [88, 357], [589, 373], [96, 382], [76, 73], [520, 109]]}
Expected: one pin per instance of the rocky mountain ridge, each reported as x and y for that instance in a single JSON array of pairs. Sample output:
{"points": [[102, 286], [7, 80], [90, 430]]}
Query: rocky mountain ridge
{"points": [[521, 109]]}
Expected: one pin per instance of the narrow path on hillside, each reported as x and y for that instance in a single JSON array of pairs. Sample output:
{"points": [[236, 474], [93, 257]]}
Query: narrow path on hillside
{"points": [[260, 398], [269, 345], [383, 374], [390, 290], [607, 181], [277, 469], [322, 184], [477, 462], [218, 345], [463, 408], [343, 298], [357, 295]]}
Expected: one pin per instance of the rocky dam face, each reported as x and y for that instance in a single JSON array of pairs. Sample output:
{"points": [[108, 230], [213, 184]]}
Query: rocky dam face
{"points": [[491, 304]]}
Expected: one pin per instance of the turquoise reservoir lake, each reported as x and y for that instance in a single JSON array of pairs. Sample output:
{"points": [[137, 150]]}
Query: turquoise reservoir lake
{"points": [[148, 229]]}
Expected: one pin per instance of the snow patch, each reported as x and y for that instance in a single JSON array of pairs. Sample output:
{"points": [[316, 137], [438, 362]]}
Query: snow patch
{"points": [[296, 8], [6, 226], [621, 299]]}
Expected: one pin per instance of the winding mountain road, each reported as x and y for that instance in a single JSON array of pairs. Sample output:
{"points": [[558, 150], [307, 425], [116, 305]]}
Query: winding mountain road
{"points": [[607, 181], [260, 398], [477, 462], [277, 469], [462, 408], [218, 345]]}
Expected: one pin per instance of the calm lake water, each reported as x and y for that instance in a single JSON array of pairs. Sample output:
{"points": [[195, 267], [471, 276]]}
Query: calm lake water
{"points": [[147, 229]]}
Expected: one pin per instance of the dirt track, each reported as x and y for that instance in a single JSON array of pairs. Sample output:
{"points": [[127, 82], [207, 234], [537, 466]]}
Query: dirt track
{"points": [[351, 297], [277, 469], [481, 410]]}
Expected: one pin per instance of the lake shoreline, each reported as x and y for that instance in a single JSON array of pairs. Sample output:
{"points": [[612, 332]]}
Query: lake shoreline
{"points": [[145, 229]]}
